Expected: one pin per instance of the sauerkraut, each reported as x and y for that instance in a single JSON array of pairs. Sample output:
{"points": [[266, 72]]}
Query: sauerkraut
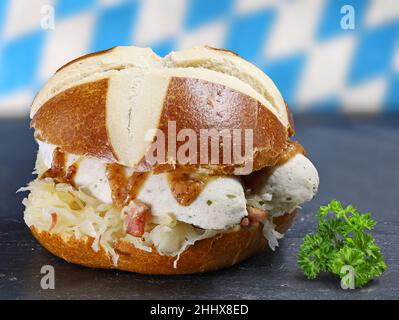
{"points": [[81, 215], [269, 228]]}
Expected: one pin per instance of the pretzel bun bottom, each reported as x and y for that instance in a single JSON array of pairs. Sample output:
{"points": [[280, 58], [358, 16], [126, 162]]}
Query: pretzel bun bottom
{"points": [[221, 251]]}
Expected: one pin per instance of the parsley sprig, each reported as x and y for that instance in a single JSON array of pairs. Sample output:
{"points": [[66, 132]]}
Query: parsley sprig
{"points": [[342, 240]]}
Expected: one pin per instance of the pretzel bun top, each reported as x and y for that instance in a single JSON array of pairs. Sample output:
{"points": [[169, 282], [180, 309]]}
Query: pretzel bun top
{"points": [[107, 105]]}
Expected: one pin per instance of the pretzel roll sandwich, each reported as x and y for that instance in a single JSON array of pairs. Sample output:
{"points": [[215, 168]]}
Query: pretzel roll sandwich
{"points": [[173, 165]]}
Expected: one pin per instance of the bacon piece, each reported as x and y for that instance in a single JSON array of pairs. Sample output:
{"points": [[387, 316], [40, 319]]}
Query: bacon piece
{"points": [[136, 217], [54, 217], [255, 215], [245, 222]]}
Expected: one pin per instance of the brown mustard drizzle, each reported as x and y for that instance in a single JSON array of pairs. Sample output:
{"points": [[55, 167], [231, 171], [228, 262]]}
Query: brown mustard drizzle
{"points": [[58, 172], [294, 147], [124, 189], [186, 187]]}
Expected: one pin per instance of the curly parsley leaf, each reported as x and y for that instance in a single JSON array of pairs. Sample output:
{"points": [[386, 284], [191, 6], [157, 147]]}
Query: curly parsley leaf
{"points": [[342, 241]]}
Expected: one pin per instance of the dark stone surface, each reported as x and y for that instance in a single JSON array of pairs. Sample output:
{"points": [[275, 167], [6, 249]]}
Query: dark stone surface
{"points": [[357, 161]]}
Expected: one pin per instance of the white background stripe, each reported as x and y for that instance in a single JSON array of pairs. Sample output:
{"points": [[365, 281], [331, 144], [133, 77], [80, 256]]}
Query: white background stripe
{"points": [[69, 40], [23, 16]]}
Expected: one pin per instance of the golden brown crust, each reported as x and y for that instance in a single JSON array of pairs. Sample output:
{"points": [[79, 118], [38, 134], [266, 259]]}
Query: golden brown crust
{"points": [[202, 105], [222, 50], [75, 120], [221, 251], [78, 119], [291, 125]]}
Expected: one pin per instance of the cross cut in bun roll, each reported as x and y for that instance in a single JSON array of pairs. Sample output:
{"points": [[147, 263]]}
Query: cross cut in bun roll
{"points": [[100, 201]]}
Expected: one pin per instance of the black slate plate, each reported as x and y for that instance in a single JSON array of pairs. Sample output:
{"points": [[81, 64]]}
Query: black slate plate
{"points": [[357, 161]]}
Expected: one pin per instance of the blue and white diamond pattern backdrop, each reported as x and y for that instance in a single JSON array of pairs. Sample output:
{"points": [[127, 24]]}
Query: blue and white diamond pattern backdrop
{"points": [[318, 65]]}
